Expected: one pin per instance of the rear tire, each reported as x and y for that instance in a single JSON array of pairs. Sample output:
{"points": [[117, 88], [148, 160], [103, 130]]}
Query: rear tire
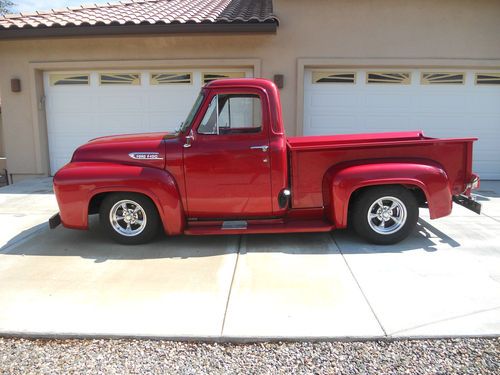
{"points": [[129, 218], [385, 215]]}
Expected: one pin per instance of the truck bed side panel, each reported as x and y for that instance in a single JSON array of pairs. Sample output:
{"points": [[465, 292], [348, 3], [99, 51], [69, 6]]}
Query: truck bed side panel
{"points": [[309, 164]]}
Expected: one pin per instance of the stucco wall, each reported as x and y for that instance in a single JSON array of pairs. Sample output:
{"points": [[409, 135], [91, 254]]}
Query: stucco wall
{"points": [[2, 151], [391, 32]]}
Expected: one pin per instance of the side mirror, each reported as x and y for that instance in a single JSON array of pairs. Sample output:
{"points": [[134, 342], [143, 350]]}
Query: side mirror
{"points": [[189, 139]]}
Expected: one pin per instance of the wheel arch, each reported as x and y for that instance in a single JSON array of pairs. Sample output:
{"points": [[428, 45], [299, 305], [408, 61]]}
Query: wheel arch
{"points": [[426, 179], [81, 187], [417, 191], [171, 217]]}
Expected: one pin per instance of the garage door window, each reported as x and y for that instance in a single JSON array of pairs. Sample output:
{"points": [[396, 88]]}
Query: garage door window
{"points": [[133, 79], [333, 77], [391, 78], [487, 78], [232, 114], [171, 78], [442, 78], [212, 76], [69, 79]]}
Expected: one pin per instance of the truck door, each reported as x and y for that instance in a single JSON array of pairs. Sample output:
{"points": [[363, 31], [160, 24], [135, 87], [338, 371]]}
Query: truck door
{"points": [[226, 162]]}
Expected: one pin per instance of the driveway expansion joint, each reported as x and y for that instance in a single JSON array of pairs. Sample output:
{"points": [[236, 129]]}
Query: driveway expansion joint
{"points": [[240, 238], [359, 285]]}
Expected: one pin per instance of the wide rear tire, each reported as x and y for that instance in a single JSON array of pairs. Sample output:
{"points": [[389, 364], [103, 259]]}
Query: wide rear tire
{"points": [[385, 215], [129, 218]]}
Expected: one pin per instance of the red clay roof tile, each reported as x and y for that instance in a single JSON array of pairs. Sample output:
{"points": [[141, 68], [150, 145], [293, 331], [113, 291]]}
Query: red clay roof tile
{"points": [[147, 12]]}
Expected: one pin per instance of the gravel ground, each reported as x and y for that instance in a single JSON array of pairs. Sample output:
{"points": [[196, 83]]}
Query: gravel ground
{"points": [[457, 356]]}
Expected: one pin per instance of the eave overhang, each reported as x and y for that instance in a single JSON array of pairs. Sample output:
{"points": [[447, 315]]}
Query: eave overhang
{"points": [[269, 27]]}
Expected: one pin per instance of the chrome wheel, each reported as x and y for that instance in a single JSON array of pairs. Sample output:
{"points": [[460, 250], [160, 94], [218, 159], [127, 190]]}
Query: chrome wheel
{"points": [[387, 215], [127, 218]]}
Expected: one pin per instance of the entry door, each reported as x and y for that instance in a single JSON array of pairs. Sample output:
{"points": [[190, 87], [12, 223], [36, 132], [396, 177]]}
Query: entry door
{"points": [[227, 165]]}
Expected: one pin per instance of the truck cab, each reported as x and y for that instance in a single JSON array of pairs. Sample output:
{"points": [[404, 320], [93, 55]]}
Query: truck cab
{"points": [[230, 169]]}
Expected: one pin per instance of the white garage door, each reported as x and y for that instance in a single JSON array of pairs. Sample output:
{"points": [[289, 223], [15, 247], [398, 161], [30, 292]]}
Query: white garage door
{"points": [[83, 105], [443, 103]]}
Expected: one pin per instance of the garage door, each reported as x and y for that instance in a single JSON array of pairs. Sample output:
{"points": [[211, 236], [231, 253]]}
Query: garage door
{"points": [[443, 103], [83, 105]]}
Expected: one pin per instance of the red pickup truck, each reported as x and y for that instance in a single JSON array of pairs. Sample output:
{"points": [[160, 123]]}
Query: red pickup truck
{"points": [[230, 169]]}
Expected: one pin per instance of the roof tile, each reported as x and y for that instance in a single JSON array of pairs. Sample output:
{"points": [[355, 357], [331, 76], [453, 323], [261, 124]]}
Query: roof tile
{"points": [[147, 12]]}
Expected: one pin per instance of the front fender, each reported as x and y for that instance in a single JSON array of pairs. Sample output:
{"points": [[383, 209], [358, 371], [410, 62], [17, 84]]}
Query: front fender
{"points": [[340, 182], [77, 183]]}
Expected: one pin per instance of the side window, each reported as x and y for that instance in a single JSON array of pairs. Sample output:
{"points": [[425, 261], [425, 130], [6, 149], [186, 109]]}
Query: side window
{"points": [[233, 114], [240, 113]]}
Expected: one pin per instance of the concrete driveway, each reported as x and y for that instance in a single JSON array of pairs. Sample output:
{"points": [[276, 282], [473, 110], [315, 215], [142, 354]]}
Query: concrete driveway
{"points": [[443, 281]]}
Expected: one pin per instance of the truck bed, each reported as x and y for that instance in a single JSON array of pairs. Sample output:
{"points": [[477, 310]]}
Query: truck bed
{"points": [[312, 156]]}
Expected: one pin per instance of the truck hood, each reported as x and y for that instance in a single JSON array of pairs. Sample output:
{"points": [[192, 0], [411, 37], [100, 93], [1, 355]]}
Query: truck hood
{"points": [[146, 149]]}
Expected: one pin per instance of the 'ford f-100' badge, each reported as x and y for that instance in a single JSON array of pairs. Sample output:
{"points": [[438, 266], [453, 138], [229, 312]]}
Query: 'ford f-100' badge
{"points": [[145, 155]]}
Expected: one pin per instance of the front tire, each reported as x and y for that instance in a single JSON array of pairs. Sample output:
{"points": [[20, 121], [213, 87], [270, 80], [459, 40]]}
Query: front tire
{"points": [[129, 218], [385, 215]]}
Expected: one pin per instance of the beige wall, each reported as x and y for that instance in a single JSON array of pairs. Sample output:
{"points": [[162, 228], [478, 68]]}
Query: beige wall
{"points": [[2, 151], [311, 33]]}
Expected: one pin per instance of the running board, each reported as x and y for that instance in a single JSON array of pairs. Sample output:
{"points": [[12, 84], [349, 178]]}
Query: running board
{"points": [[243, 227], [234, 225]]}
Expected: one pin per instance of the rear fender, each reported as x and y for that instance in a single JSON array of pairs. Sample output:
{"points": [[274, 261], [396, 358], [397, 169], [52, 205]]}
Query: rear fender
{"points": [[77, 183], [341, 181]]}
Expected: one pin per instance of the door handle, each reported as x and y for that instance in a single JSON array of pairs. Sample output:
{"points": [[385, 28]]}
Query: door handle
{"points": [[263, 148]]}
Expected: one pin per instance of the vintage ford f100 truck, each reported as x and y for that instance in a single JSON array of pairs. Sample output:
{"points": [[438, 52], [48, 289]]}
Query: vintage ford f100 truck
{"points": [[230, 169]]}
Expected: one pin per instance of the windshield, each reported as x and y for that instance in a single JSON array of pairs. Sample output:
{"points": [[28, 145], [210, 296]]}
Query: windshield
{"points": [[186, 124]]}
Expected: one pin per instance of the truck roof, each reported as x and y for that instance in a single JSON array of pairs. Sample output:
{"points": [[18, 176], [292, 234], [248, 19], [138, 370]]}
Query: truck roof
{"points": [[242, 82]]}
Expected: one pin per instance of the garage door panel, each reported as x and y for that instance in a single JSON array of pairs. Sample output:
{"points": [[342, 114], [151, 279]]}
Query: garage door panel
{"points": [[483, 104], [64, 103], [380, 102], [489, 154], [162, 101], [64, 145], [347, 102], [71, 122], [165, 121], [487, 169], [119, 123], [384, 123], [434, 103], [441, 125], [339, 123], [452, 110], [121, 103]]}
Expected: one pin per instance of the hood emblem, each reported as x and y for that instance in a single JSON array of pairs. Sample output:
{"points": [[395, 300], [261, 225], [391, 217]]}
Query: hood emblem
{"points": [[145, 155]]}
